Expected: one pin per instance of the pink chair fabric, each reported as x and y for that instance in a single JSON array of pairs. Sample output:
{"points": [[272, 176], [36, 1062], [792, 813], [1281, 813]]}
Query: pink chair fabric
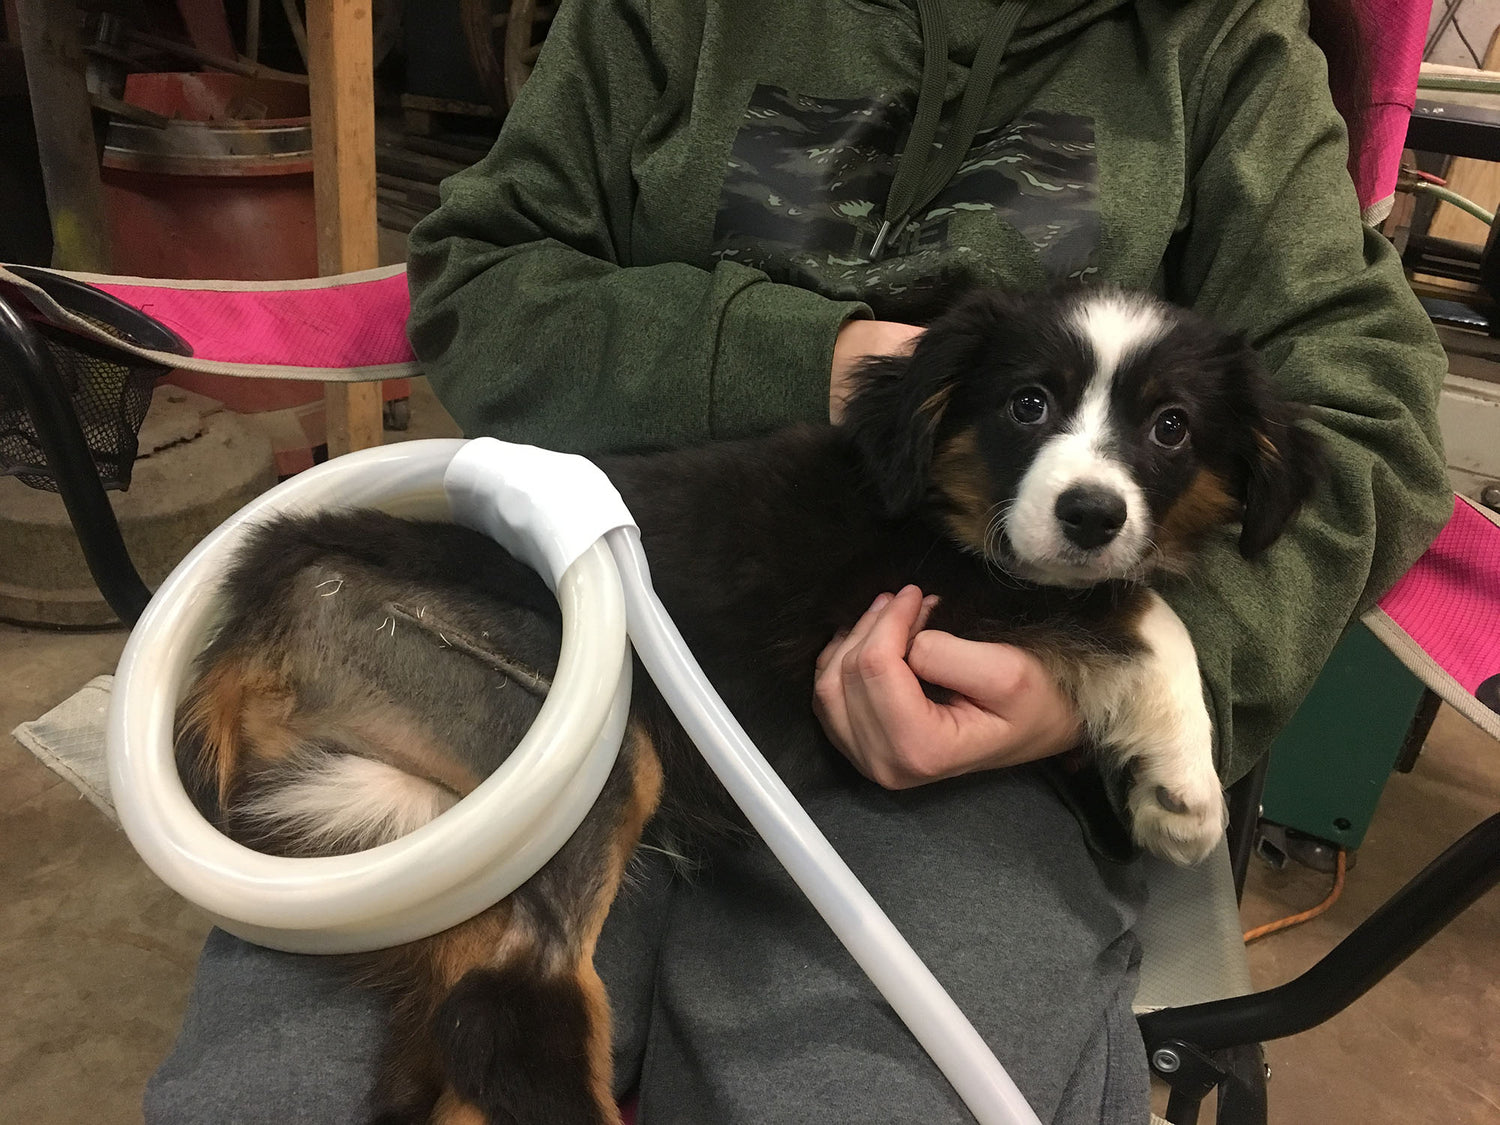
{"points": [[1443, 617], [348, 328], [1395, 32], [1449, 603], [352, 325]]}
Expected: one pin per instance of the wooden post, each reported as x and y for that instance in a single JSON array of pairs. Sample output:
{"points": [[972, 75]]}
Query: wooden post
{"points": [[340, 67], [66, 142]]}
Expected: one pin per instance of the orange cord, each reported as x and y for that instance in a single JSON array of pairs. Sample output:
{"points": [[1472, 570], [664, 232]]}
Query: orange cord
{"points": [[1307, 915]]}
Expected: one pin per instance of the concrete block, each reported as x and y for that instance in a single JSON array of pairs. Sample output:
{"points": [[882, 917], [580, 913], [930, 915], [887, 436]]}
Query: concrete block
{"points": [[198, 464]]}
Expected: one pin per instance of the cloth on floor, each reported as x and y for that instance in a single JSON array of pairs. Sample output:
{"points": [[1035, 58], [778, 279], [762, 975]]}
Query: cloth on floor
{"points": [[69, 740]]}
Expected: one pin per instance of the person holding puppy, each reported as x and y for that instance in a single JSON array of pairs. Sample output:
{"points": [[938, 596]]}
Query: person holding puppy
{"points": [[697, 222]]}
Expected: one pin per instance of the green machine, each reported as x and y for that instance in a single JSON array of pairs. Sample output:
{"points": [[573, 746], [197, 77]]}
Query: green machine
{"points": [[1366, 716]]}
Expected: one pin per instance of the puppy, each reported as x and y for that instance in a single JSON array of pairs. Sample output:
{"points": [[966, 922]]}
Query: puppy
{"points": [[1033, 462]]}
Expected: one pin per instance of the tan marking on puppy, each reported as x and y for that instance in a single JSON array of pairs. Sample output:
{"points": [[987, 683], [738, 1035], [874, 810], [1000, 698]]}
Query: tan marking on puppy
{"points": [[488, 940], [235, 707], [959, 477], [600, 1050], [453, 1110], [1203, 505], [936, 404], [646, 780], [266, 721], [1267, 447], [645, 795]]}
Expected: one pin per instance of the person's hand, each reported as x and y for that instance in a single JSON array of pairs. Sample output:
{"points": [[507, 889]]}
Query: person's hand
{"points": [[858, 340], [1007, 708]]}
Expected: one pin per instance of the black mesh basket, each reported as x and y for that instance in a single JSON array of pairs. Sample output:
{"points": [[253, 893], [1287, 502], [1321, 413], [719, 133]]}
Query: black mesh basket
{"points": [[110, 390]]}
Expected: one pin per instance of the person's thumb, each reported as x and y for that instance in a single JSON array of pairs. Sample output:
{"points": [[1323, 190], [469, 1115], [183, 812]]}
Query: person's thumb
{"points": [[984, 672]]}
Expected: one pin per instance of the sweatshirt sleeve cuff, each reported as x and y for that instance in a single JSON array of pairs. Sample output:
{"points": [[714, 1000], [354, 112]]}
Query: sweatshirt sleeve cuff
{"points": [[774, 358]]}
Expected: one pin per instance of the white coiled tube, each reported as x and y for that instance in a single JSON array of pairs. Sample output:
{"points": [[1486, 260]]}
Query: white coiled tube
{"points": [[447, 870]]}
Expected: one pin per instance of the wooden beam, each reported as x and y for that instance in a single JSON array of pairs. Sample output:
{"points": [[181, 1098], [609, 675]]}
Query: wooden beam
{"points": [[66, 142], [342, 86]]}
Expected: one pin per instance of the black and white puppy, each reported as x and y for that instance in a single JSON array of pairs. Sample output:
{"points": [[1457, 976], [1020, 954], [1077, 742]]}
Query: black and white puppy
{"points": [[1032, 462]]}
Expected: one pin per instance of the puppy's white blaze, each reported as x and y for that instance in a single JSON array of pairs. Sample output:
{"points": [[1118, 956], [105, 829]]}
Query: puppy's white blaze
{"points": [[349, 801], [1113, 325]]}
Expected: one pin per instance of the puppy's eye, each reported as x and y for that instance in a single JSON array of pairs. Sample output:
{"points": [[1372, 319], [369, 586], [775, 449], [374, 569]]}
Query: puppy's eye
{"points": [[1171, 428], [1029, 406]]}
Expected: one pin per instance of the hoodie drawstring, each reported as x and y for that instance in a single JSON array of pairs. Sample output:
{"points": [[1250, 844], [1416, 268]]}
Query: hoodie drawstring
{"points": [[927, 164]]}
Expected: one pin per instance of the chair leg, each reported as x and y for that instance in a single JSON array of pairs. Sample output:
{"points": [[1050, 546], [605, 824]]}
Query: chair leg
{"points": [[1182, 1108], [1238, 1073], [1242, 1094], [40, 389], [1244, 815]]}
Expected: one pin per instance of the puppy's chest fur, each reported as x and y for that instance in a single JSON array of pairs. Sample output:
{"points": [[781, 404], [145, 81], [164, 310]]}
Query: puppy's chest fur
{"points": [[762, 550]]}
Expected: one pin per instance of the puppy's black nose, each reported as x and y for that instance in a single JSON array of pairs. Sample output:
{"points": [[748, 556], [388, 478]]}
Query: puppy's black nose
{"points": [[1090, 515]]}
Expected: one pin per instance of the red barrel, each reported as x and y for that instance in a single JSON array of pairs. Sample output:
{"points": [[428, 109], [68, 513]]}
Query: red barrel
{"points": [[225, 191]]}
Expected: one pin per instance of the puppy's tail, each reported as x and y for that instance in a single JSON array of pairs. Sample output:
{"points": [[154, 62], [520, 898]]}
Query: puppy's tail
{"points": [[284, 778]]}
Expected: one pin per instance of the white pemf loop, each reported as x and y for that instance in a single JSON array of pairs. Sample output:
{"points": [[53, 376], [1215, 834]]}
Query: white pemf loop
{"points": [[448, 870]]}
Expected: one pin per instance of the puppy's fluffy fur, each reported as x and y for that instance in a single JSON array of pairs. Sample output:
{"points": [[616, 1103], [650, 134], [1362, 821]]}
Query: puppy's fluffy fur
{"points": [[1032, 462]]}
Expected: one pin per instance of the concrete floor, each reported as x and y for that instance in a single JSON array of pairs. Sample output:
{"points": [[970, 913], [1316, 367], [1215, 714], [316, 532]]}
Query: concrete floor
{"points": [[96, 956]]}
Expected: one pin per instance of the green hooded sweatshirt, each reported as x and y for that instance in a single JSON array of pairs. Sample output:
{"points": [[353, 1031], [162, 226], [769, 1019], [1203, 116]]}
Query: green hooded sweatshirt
{"points": [[678, 215]]}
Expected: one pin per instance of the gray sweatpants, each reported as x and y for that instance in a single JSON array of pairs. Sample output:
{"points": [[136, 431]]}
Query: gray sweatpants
{"points": [[733, 1002]]}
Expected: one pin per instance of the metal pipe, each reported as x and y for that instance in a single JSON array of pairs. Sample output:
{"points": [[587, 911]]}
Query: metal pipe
{"points": [[252, 30]]}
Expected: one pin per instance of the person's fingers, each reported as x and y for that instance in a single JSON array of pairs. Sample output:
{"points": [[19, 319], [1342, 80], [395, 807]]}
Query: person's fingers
{"points": [[929, 603], [901, 733], [831, 710], [829, 700], [1035, 717], [890, 628], [873, 662], [992, 674], [867, 620], [832, 649]]}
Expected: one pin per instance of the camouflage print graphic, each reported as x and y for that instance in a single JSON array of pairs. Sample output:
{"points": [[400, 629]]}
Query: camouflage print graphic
{"points": [[808, 179]]}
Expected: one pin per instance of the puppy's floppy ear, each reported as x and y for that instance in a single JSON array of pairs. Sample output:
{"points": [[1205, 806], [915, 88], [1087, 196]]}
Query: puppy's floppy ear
{"points": [[892, 417], [899, 403], [1282, 462]]}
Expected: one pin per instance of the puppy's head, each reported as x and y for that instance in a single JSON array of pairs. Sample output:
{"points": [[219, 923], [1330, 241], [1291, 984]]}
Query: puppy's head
{"points": [[1078, 437]]}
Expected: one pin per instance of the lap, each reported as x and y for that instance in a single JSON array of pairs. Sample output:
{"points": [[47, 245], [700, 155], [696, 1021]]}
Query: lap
{"points": [[732, 1000], [268, 1037], [758, 1012]]}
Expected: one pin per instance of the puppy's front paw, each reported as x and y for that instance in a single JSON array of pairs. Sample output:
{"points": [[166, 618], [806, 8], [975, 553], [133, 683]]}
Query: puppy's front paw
{"points": [[1181, 820]]}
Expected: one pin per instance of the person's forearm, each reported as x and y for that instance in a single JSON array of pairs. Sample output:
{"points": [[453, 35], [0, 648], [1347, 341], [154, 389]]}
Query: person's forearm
{"points": [[1276, 250], [542, 343]]}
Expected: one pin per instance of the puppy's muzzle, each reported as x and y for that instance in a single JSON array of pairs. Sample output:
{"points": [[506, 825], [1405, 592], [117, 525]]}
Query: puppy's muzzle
{"points": [[1090, 515]]}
